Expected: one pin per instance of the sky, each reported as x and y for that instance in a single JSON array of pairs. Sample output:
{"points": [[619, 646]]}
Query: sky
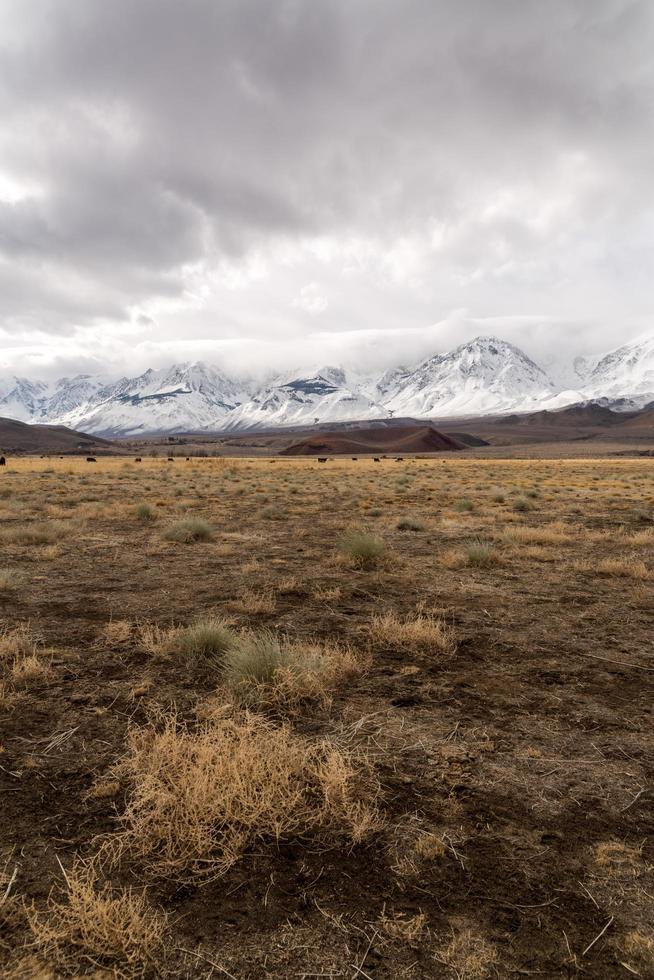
{"points": [[260, 183]]}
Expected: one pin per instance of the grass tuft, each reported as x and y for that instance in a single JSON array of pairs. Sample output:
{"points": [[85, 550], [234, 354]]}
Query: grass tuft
{"points": [[362, 548], [189, 530]]}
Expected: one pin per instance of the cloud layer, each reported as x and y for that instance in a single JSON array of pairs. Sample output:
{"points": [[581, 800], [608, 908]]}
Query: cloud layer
{"points": [[251, 181]]}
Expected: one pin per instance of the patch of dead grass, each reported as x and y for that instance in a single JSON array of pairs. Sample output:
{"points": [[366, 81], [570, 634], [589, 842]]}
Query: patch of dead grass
{"points": [[94, 924], [468, 954], [421, 631], [199, 799]]}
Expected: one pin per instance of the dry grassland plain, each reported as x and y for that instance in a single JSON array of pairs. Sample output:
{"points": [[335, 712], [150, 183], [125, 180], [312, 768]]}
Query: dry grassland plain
{"points": [[275, 718]]}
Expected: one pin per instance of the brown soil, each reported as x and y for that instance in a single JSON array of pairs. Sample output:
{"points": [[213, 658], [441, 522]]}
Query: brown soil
{"points": [[519, 758]]}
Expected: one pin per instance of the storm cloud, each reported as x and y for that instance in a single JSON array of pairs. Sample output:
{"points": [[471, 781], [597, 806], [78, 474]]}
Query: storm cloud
{"points": [[253, 181]]}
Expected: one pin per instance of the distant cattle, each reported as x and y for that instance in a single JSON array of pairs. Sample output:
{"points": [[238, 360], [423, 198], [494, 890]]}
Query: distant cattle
{"points": [[171, 459], [138, 459], [354, 459], [376, 459], [91, 459], [188, 459], [399, 459], [3, 461], [322, 459]]}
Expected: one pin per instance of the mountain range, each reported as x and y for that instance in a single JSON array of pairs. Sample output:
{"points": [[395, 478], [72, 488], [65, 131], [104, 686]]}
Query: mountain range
{"points": [[484, 376]]}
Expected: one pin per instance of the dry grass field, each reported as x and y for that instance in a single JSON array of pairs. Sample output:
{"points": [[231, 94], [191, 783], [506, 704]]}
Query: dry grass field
{"points": [[276, 718]]}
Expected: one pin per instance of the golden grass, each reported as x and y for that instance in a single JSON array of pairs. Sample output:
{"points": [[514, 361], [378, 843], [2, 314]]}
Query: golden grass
{"points": [[410, 929], [556, 533], [416, 632], [468, 954], [199, 799], [269, 671], [92, 924], [118, 631], [628, 567], [22, 664]]}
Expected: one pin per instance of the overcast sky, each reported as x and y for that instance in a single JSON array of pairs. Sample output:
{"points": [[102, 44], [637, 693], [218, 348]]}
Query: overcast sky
{"points": [[265, 182]]}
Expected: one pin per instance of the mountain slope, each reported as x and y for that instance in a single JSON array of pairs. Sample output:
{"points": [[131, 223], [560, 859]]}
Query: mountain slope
{"points": [[482, 376], [324, 395], [21, 437], [183, 397], [624, 373]]}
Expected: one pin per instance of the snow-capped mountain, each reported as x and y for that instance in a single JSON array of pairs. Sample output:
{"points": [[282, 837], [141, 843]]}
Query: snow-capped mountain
{"points": [[22, 399], [481, 377], [324, 395], [183, 397], [624, 374]]}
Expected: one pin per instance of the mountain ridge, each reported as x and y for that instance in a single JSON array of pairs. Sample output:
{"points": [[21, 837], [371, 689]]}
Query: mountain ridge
{"points": [[483, 376]]}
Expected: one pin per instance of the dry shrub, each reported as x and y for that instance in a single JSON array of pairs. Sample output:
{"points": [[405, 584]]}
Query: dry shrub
{"points": [[255, 603], [453, 558], [104, 789], [418, 632], [29, 968], [362, 549], [29, 671], [619, 860], [326, 594], [468, 955], [198, 800], [405, 928], [480, 554], [47, 532], [411, 847], [556, 533], [266, 670], [621, 568], [642, 538], [189, 530], [155, 639], [20, 659], [117, 631], [95, 924]]}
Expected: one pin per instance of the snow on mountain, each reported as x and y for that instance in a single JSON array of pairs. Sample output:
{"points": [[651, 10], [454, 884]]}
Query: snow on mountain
{"points": [[325, 395], [483, 376], [70, 393], [23, 400], [180, 398], [625, 375]]}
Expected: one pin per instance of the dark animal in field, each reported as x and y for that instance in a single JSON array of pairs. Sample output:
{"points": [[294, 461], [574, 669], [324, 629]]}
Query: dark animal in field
{"points": [[354, 459], [138, 459], [91, 459], [376, 459], [3, 461], [399, 459], [188, 459], [322, 459], [171, 459]]}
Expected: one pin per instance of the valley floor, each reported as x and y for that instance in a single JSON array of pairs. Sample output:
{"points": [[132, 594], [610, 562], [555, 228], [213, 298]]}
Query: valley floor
{"points": [[449, 774]]}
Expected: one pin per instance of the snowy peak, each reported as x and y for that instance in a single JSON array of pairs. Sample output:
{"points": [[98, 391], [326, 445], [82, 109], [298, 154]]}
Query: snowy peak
{"points": [[479, 377], [184, 396], [625, 373], [325, 395]]}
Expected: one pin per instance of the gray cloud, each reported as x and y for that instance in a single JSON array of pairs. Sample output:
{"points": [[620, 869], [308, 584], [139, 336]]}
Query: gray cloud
{"points": [[195, 169]]}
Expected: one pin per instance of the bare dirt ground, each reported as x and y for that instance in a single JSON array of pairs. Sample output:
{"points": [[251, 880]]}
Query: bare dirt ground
{"points": [[498, 722]]}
